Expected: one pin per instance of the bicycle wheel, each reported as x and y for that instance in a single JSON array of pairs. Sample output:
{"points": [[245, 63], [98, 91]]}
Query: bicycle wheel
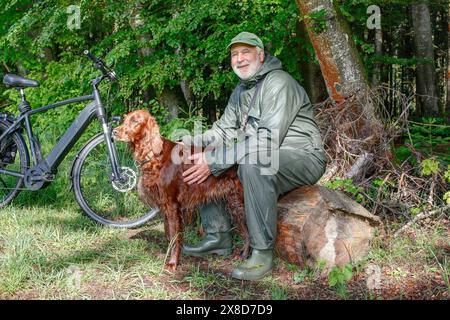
{"points": [[14, 157], [109, 203]]}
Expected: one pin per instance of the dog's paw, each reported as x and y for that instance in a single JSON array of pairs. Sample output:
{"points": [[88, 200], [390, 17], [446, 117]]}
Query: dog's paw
{"points": [[170, 266]]}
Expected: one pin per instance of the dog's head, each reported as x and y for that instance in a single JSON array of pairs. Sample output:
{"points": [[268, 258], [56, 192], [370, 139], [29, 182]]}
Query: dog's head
{"points": [[141, 131]]}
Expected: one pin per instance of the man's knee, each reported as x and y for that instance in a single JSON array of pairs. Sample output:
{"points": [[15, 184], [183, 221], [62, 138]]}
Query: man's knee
{"points": [[248, 170], [254, 172]]}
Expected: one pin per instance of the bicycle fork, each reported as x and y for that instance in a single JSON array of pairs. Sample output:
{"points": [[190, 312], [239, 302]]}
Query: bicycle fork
{"points": [[112, 151]]}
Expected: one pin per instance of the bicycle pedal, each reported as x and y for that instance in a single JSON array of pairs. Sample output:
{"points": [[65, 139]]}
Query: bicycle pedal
{"points": [[48, 177]]}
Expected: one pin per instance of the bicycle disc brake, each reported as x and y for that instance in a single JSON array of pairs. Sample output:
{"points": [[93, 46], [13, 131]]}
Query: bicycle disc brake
{"points": [[128, 180]]}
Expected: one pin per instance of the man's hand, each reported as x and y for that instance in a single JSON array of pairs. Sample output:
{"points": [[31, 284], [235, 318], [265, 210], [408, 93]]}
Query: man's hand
{"points": [[198, 172]]}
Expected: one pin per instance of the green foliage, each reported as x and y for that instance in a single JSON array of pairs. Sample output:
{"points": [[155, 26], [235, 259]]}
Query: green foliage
{"points": [[318, 20], [447, 197], [429, 136], [278, 293], [447, 174], [348, 186], [299, 277], [429, 167], [446, 178], [153, 45], [338, 278], [416, 210], [402, 153], [340, 275]]}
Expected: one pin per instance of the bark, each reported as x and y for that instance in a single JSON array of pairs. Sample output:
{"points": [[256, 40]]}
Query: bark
{"points": [[319, 224], [21, 70], [48, 54], [184, 85], [346, 84], [336, 52], [172, 99], [447, 108], [378, 41], [210, 108], [311, 73], [358, 170], [426, 86]]}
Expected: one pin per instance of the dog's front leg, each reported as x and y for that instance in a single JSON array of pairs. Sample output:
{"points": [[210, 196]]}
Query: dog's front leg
{"points": [[173, 215]]}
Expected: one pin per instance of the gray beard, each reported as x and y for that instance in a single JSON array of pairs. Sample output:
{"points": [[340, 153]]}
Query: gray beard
{"points": [[252, 71]]}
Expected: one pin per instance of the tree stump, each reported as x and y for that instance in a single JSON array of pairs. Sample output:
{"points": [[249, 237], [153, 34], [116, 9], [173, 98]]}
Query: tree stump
{"points": [[320, 224]]}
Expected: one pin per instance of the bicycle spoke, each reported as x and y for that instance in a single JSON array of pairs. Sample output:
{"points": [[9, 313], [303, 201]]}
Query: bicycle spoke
{"points": [[13, 157], [115, 201]]}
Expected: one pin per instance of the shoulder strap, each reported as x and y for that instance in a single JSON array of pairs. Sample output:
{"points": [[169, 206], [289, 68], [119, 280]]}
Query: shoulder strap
{"points": [[252, 102]]}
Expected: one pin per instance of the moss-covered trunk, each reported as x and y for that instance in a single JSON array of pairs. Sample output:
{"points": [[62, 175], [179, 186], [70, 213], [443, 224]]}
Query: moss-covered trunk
{"points": [[341, 67]]}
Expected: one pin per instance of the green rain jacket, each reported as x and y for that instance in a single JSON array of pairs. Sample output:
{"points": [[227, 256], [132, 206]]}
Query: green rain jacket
{"points": [[281, 104]]}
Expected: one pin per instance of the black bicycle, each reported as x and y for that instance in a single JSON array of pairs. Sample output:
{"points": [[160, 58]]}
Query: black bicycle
{"points": [[104, 175]]}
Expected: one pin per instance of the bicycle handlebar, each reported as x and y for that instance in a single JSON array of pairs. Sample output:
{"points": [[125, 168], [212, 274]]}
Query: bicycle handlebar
{"points": [[101, 65]]}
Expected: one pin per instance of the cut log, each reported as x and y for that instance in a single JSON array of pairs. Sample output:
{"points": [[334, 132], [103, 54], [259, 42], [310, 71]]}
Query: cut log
{"points": [[320, 224]]}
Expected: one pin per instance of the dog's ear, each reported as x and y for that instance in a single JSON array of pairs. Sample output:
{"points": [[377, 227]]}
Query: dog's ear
{"points": [[153, 138]]}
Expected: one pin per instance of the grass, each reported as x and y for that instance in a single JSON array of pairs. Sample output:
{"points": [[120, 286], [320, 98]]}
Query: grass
{"points": [[54, 252], [50, 250]]}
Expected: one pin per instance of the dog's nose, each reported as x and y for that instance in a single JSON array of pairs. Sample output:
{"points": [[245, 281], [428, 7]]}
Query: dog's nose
{"points": [[115, 132]]}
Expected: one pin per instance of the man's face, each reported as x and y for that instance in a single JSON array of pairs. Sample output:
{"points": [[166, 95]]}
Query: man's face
{"points": [[245, 60]]}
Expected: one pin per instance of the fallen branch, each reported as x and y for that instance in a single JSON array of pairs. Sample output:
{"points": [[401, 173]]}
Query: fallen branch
{"points": [[357, 171], [422, 215]]}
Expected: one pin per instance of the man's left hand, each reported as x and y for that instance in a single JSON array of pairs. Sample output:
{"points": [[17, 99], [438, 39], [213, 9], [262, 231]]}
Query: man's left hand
{"points": [[199, 172]]}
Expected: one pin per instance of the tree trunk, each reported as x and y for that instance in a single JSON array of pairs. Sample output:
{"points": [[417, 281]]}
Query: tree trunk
{"points": [[187, 93], [48, 54], [344, 77], [210, 108], [316, 224], [447, 108], [310, 69], [427, 96], [339, 61], [172, 99], [376, 75]]}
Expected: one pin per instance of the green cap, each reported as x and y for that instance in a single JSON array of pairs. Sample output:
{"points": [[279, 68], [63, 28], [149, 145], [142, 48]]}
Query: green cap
{"points": [[247, 38]]}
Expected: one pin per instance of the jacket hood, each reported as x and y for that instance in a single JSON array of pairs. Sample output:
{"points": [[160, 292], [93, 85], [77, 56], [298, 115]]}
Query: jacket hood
{"points": [[270, 63]]}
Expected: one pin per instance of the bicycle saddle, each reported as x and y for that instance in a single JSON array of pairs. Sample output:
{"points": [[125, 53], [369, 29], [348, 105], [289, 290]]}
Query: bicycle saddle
{"points": [[16, 81]]}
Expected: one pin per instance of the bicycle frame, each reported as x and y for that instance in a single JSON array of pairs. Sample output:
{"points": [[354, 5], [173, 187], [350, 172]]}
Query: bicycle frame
{"points": [[50, 163]]}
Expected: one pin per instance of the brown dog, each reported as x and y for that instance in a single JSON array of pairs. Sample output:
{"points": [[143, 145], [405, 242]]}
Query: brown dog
{"points": [[161, 182]]}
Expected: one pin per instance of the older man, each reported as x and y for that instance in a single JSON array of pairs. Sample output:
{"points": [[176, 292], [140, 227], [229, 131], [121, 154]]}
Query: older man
{"points": [[268, 116]]}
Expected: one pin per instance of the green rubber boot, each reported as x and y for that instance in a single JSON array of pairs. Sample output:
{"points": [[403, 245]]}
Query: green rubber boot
{"points": [[218, 243], [256, 267]]}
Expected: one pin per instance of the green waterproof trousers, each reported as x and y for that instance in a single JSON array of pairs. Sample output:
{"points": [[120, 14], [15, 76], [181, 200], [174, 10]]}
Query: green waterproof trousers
{"points": [[296, 168]]}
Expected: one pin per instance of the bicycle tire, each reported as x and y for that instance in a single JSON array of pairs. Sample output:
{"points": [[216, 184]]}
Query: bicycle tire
{"points": [[13, 156], [89, 178]]}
